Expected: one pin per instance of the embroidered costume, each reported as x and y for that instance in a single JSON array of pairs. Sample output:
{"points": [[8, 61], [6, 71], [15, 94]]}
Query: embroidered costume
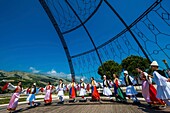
{"points": [[95, 94], [82, 86], [119, 95], [163, 87], [48, 94], [130, 90], [72, 92], [15, 97], [60, 89], [106, 87], [31, 97], [148, 90]]}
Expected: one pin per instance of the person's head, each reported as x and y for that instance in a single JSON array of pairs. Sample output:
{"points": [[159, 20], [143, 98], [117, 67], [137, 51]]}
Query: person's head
{"points": [[60, 81], [104, 77], [49, 83], [92, 78], [154, 65], [115, 76], [73, 80], [142, 75], [34, 84], [81, 80], [19, 83], [138, 70], [125, 73]]}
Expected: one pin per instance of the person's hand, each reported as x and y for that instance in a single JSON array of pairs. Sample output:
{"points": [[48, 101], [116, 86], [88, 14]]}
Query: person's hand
{"points": [[168, 80], [150, 76]]}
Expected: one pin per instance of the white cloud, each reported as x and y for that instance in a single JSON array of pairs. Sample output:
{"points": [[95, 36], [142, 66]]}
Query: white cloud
{"points": [[52, 72], [34, 70], [59, 74], [62, 75]]}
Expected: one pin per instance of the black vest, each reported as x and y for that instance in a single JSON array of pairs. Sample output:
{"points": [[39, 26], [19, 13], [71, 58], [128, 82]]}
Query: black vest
{"points": [[61, 85], [34, 91], [106, 83], [161, 73], [130, 83]]}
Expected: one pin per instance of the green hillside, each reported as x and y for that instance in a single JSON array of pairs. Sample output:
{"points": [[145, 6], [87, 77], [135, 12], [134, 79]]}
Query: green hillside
{"points": [[28, 79]]}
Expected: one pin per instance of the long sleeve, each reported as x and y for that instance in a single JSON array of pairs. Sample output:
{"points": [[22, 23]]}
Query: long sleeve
{"points": [[11, 87], [149, 79], [159, 79], [57, 88], [85, 85], [5, 87], [132, 80]]}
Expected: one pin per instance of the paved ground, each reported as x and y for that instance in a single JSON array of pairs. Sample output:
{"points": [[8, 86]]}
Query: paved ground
{"points": [[87, 107]]}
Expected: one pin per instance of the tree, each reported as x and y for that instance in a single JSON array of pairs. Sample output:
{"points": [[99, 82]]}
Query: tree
{"points": [[109, 68], [132, 62]]}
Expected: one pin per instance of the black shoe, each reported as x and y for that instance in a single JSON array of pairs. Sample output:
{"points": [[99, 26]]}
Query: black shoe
{"points": [[149, 105], [136, 103]]}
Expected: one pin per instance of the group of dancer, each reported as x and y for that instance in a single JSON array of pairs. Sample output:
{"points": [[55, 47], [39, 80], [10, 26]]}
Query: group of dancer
{"points": [[153, 96]]}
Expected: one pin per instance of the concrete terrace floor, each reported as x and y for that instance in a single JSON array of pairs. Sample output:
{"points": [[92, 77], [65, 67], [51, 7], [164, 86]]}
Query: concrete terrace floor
{"points": [[105, 106]]}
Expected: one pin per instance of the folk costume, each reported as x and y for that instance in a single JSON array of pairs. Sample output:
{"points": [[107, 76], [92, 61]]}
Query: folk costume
{"points": [[82, 86], [95, 94], [163, 87], [48, 93], [31, 97], [148, 90], [60, 89], [72, 91], [119, 95], [15, 97], [130, 90], [106, 88]]}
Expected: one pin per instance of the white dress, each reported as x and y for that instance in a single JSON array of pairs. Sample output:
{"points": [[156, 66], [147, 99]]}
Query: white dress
{"points": [[163, 87], [82, 89], [130, 90], [106, 90]]}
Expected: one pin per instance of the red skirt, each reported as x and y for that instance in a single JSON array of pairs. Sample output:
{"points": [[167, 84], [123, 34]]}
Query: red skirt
{"points": [[48, 98], [72, 92], [153, 98], [95, 94]]}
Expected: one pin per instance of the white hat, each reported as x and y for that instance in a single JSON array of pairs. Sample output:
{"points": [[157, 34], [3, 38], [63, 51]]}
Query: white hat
{"points": [[34, 84], [81, 79], [154, 63], [104, 75], [126, 72]]}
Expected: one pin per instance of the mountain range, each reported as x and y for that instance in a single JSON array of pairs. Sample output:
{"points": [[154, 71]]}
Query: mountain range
{"points": [[28, 79]]}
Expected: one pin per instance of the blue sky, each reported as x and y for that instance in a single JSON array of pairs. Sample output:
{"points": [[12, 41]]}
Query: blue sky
{"points": [[30, 43], [28, 38]]}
